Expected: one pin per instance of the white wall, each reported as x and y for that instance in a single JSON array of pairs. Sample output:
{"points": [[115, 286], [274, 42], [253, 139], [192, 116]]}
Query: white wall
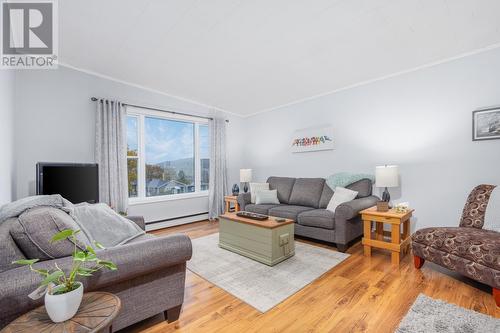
{"points": [[420, 121], [6, 135], [55, 123]]}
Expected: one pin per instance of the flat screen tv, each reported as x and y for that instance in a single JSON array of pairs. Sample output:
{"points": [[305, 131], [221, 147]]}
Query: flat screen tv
{"points": [[75, 182]]}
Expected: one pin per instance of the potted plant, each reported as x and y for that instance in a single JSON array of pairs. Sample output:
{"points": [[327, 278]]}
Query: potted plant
{"points": [[63, 300]]}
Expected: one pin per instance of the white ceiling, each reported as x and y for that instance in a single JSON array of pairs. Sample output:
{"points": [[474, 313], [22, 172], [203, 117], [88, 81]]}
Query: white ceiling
{"points": [[250, 56]]}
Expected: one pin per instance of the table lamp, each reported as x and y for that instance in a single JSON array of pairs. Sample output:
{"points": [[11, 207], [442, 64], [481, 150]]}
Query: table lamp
{"points": [[245, 178], [387, 176]]}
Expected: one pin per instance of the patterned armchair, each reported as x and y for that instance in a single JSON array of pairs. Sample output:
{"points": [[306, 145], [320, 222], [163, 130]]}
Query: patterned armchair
{"points": [[467, 249]]}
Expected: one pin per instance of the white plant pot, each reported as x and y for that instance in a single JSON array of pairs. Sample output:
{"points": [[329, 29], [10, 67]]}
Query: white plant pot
{"points": [[63, 307]]}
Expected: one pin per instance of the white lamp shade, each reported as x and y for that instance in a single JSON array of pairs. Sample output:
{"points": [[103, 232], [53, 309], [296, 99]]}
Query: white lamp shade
{"points": [[245, 175], [387, 176]]}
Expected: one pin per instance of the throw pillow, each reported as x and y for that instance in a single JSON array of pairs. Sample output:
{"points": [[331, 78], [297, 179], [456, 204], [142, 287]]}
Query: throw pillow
{"points": [[36, 227], [492, 216], [340, 196], [266, 197], [254, 187]]}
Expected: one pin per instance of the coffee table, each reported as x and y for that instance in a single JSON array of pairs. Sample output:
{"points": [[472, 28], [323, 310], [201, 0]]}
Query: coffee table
{"points": [[268, 241]]}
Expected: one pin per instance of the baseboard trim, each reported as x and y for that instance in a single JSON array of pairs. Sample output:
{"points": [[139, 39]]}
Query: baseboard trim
{"points": [[174, 221]]}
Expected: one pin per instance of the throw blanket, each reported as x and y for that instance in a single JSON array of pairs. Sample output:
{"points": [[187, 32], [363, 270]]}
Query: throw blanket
{"points": [[343, 179], [98, 222]]}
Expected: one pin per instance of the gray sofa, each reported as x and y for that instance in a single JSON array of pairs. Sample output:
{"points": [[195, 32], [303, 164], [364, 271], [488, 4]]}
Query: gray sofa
{"points": [[150, 277], [305, 199]]}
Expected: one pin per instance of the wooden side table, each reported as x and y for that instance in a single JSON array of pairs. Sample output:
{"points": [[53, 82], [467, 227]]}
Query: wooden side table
{"points": [[228, 199], [398, 244], [96, 314]]}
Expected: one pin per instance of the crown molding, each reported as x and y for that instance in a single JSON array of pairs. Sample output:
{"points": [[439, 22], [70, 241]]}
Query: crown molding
{"points": [[187, 100]]}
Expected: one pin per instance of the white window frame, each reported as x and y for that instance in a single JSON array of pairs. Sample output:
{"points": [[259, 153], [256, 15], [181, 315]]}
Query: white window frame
{"points": [[141, 114]]}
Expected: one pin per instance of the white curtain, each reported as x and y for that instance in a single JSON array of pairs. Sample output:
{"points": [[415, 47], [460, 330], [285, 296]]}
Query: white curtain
{"points": [[218, 171], [111, 153]]}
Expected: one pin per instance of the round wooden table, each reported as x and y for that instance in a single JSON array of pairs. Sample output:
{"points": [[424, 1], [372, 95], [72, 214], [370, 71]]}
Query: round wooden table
{"points": [[96, 313]]}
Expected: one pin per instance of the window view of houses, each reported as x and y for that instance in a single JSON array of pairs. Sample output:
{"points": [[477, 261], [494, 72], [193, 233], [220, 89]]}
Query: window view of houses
{"points": [[169, 156]]}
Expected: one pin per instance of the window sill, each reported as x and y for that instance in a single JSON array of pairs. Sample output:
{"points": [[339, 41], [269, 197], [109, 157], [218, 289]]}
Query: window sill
{"points": [[162, 198]]}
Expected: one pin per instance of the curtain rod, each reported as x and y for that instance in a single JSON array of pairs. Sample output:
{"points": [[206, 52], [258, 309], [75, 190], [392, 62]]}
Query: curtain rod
{"points": [[94, 99]]}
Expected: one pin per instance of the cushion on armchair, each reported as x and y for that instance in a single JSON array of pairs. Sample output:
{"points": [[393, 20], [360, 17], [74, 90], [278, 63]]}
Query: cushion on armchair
{"points": [[35, 228], [480, 246]]}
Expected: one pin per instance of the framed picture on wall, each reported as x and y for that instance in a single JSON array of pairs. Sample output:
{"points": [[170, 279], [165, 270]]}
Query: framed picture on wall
{"points": [[486, 124], [314, 139]]}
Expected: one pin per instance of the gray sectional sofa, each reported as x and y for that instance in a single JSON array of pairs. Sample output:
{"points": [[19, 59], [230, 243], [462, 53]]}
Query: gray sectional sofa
{"points": [[305, 200], [150, 277]]}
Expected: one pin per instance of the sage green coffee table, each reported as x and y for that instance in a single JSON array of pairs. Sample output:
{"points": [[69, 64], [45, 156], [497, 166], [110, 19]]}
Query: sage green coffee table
{"points": [[268, 241]]}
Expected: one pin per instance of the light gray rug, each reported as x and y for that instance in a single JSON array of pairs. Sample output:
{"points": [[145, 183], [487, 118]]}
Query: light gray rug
{"points": [[428, 315], [256, 284]]}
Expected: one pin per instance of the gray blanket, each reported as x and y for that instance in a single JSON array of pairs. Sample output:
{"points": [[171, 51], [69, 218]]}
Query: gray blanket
{"points": [[97, 221]]}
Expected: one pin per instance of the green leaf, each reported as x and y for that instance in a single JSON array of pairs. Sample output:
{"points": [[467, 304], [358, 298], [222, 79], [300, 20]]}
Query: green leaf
{"points": [[83, 271], [79, 256], [62, 235], [90, 250], [53, 277], [43, 272], [25, 261], [99, 245], [108, 264]]}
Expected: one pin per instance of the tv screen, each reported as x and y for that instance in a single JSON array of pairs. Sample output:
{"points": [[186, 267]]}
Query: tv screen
{"points": [[75, 182]]}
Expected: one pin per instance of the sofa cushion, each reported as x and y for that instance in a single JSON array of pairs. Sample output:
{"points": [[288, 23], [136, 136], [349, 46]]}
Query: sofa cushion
{"points": [[307, 192], [363, 187], [255, 187], [341, 196], [288, 211], [263, 197], [259, 209], [9, 251], [326, 196], [37, 226], [476, 245], [319, 218], [284, 185]]}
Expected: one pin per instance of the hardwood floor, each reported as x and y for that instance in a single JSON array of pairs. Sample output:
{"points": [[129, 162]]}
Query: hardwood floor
{"points": [[359, 295]]}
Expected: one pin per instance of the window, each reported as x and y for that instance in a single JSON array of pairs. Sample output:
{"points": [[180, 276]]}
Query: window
{"points": [[167, 155]]}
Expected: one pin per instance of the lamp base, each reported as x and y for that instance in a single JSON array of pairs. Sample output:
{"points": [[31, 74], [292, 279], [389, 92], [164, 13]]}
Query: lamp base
{"points": [[386, 196], [245, 188]]}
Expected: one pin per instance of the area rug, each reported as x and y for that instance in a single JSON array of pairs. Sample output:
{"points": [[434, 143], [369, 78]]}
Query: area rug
{"points": [[435, 316], [256, 284]]}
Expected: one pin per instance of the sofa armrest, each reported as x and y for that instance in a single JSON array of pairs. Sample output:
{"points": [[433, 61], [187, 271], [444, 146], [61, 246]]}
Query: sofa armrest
{"points": [[348, 223], [133, 259], [351, 209], [244, 199], [139, 220]]}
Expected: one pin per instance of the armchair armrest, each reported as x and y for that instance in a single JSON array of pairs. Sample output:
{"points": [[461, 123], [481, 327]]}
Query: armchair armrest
{"points": [[134, 259], [244, 199], [351, 209], [139, 220]]}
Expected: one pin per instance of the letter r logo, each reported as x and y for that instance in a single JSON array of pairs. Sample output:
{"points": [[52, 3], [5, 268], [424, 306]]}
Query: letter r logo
{"points": [[27, 27]]}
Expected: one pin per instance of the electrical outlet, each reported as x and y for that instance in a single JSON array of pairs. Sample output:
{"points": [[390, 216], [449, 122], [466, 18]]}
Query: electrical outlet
{"points": [[284, 239]]}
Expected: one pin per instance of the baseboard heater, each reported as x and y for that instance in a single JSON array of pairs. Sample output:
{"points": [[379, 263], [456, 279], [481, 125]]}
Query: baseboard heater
{"points": [[176, 218]]}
